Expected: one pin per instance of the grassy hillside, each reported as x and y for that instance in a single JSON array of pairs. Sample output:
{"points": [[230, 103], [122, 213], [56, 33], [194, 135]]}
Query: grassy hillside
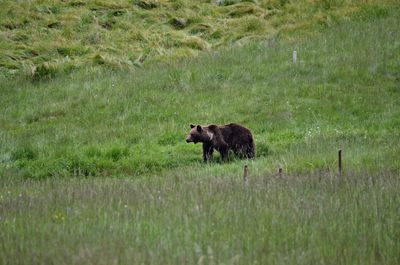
{"points": [[343, 93], [41, 39]]}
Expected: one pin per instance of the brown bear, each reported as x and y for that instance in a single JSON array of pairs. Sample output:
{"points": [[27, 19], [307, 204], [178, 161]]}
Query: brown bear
{"points": [[224, 138]]}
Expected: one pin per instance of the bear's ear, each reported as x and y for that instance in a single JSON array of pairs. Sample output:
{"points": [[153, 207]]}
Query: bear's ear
{"points": [[192, 126], [199, 129]]}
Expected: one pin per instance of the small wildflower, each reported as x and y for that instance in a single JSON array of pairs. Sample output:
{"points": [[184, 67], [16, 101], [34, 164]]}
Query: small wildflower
{"points": [[59, 217]]}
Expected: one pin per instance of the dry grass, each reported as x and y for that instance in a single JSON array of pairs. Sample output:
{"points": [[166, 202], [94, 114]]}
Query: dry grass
{"points": [[43, 38]]}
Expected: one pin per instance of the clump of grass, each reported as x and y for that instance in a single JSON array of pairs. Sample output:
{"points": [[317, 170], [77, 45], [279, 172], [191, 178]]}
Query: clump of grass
{"points": [[24, 152], [110, 61], [73, 51], [196, 43], [200, 28], [242, 9], [116, 153], [179, 23], [147, 4], [44, 71]]}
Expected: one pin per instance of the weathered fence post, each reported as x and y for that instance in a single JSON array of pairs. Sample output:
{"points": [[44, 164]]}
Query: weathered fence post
{"points": [[340, 162], [294, 57], [245, 175], [280, 172]]}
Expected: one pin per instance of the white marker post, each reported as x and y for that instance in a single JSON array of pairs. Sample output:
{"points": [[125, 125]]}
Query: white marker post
{"points": [[294, 57]]}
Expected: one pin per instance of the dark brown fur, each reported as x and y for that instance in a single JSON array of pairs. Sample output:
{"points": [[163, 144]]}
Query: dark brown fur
{"points": [[223, 138]]}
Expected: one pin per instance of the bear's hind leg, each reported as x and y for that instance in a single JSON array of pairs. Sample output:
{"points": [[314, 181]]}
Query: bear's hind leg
{"points": [[224, 153], [250, 152]]}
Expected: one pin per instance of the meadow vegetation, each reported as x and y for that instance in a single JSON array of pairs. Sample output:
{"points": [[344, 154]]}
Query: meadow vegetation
{"points": [[185, 218], [44, 38], [94, 168], [342, 93]]}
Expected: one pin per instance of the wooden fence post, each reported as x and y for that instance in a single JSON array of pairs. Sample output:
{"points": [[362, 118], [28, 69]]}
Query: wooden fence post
{"points": [[246, 175], [340, 162]]}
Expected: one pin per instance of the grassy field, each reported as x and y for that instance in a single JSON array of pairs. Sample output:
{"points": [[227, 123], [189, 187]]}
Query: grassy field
{"points": [[342, 93], [202, 219], [94, 168]]}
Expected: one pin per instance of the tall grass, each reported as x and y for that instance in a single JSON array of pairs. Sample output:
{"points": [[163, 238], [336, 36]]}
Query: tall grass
{"points": [[183, 218]]}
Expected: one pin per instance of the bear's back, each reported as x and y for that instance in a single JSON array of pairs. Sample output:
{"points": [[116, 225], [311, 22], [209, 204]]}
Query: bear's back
{"points": [[237, 129], [235, 134]]}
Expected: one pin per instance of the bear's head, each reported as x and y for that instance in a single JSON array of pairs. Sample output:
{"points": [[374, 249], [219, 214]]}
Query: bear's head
{"points": [[198, 134]]}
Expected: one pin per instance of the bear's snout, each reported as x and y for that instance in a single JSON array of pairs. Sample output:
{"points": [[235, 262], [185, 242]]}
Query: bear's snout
{"points": [[187, 140]]}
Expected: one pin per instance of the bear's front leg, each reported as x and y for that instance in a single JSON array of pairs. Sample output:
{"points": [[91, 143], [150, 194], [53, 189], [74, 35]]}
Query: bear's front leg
{"points": [[207, 152]]}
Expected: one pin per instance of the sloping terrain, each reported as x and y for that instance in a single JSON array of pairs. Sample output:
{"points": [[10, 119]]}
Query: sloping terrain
{"points": [[40, 39], [342, 93]]}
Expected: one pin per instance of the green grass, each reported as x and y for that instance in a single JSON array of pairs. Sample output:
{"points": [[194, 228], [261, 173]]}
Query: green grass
{"points": [[42, 39], [94, 168], [343, 93], [181, 218]]}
